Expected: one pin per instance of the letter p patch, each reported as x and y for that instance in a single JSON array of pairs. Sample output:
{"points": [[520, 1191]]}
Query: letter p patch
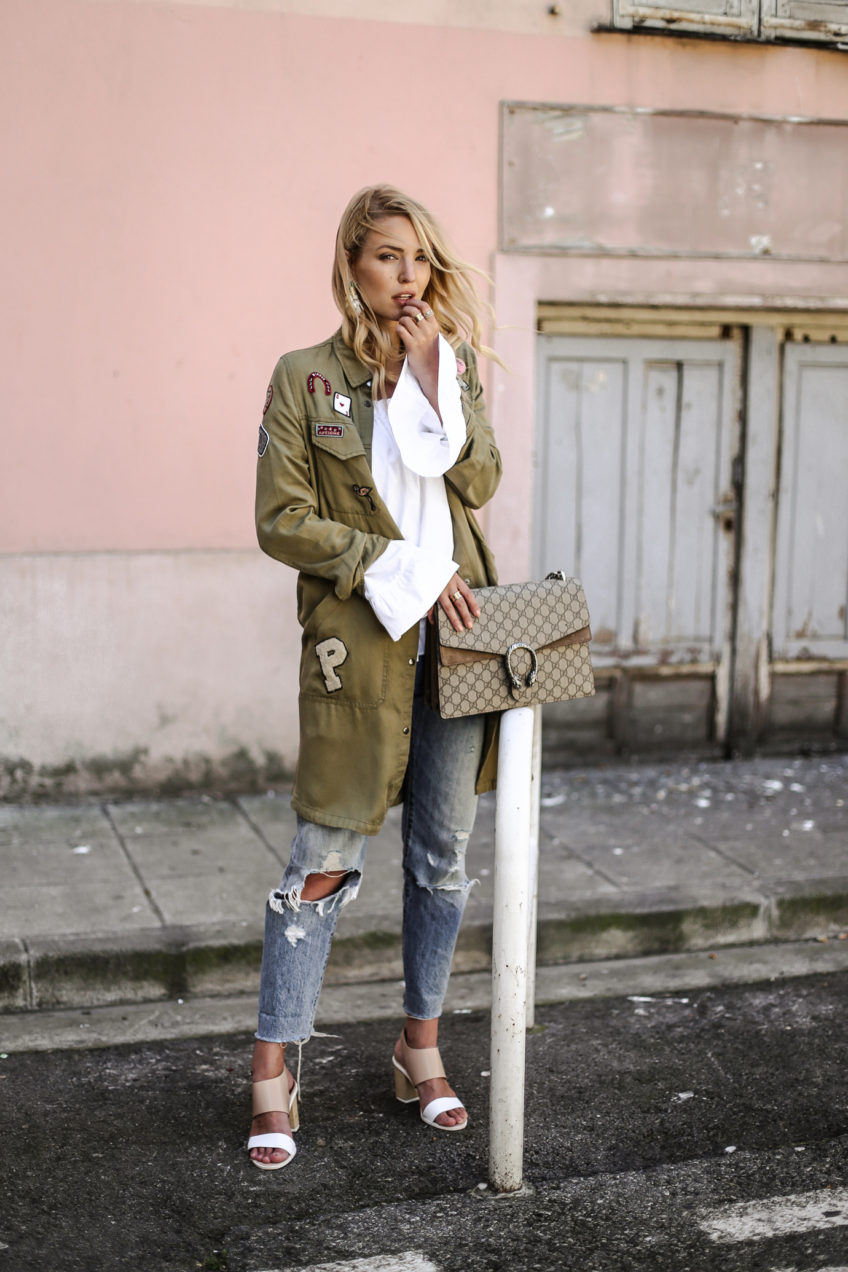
{"points": [[331, 654]]}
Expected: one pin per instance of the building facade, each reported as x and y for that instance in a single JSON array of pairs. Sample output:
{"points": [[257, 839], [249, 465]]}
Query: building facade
{"points": [[659, 197]]}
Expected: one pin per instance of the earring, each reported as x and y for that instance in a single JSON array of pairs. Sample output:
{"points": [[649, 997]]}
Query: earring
{"points": [[353, 299]]}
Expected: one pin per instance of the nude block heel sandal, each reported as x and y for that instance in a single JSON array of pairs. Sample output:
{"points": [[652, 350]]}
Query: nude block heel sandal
{"points": [[423, 1065], [272, 1096]]}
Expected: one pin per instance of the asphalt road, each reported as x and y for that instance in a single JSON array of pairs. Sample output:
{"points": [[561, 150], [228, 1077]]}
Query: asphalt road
{"points": [[680, 1132]]}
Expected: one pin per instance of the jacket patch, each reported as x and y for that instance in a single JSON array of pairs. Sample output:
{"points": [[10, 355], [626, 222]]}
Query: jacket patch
{"points": [[460, 367], [341, 404], [329, 430], [264, 439], [316, 375], [331, 653], [463, 384], [268, 396]]}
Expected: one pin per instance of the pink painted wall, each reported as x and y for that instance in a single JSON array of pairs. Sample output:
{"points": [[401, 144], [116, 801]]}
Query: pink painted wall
{"points": [[173, 176]]}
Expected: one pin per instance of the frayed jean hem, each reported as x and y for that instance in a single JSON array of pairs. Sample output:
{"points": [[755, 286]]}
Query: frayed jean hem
{"points": [[270, 1027]]}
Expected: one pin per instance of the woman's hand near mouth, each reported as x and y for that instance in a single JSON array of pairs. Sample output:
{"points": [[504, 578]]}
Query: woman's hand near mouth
{"points": [[419, 334]]}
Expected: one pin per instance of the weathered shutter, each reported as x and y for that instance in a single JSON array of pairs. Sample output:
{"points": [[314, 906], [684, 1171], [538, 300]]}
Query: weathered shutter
{"points": [[722, 17], [822, 20]]}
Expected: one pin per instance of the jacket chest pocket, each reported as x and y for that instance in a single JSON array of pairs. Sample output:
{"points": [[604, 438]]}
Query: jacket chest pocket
{"points": [[343, 478]]}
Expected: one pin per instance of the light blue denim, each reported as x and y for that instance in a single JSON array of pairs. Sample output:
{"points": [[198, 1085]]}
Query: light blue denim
{"points": [[438, 816]]}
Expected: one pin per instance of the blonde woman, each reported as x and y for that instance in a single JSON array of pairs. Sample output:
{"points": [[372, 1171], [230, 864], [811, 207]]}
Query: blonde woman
{"points": [[373, 452]]}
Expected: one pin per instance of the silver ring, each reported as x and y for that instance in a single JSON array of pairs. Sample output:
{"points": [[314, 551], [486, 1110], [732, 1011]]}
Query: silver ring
{"points": [[428, 313], [419, 317]]}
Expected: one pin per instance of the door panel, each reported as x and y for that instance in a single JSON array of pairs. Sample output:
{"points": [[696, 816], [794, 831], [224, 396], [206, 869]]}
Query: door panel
{"points": [[579, 478], [633, 456], [811, 557]]}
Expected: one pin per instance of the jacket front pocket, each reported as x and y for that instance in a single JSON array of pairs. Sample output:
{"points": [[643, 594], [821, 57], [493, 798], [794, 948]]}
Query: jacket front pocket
{"points": [[345, 654]]}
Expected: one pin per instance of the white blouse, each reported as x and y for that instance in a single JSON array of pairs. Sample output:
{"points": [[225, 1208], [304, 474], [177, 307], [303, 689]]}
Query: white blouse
{"points": [[411, 449]]}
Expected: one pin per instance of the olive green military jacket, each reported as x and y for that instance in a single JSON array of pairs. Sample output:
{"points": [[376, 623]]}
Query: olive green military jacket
{"points": [[317, 510]]}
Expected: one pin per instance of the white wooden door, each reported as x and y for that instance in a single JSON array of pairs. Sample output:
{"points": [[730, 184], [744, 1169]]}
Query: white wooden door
{"points": [[634, 492], [810, 610]]}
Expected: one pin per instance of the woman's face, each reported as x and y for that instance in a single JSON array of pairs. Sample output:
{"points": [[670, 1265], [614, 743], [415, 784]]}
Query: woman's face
{"points": [[391, 268]]}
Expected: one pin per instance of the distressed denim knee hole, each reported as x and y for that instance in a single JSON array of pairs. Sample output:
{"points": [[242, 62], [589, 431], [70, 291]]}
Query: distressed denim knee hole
{"points": [[289, 895], [442, 870], [452, 884]]}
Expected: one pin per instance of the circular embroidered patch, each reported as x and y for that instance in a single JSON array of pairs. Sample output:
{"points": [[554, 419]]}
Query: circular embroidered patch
{"points": [[268, 396]]}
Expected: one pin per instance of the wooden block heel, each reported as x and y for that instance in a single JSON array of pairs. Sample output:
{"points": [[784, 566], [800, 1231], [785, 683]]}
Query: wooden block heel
{"points": [[404, 1089]]}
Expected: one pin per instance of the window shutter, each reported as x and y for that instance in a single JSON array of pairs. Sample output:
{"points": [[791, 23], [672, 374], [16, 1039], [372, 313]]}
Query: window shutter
{"points": [[720, 17], [822, 20]]}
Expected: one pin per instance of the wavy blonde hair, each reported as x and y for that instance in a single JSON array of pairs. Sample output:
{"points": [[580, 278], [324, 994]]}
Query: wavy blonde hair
{"points": [[450, 292]]}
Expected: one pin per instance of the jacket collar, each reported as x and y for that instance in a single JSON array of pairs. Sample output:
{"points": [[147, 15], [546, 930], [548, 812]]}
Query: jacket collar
{"points": [[355, 371]]}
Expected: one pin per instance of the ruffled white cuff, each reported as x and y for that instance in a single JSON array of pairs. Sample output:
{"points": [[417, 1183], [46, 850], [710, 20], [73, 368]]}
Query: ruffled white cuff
{"points": [[403, 583], [428, 446]]}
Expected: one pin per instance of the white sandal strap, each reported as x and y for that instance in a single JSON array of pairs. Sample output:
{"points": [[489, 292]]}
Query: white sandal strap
{"points": [[443, 1105], [273, 1139]]}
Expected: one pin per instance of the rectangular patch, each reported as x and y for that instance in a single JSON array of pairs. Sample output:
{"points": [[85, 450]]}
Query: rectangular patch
{"points": [[329, 430], [341, 404]]}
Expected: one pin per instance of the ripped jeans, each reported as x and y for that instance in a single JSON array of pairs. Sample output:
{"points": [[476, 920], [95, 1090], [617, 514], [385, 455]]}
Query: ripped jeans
{"points": [[438, 816]]}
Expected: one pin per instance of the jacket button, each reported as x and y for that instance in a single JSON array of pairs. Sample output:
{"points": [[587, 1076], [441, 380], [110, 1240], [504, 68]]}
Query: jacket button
{"points": [[406, 730], [412, 662], [367, 402]]}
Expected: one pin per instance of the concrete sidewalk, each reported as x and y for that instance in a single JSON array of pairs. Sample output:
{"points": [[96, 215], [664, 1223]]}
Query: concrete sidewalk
{"points": [[156, 899]]}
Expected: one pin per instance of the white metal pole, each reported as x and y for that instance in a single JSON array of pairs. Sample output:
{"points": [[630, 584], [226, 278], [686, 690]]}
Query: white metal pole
{"points": [[533, 863], [509, 950]]}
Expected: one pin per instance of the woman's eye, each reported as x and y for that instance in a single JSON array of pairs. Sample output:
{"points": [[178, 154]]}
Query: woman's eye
{"points": [[387, 256]]}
